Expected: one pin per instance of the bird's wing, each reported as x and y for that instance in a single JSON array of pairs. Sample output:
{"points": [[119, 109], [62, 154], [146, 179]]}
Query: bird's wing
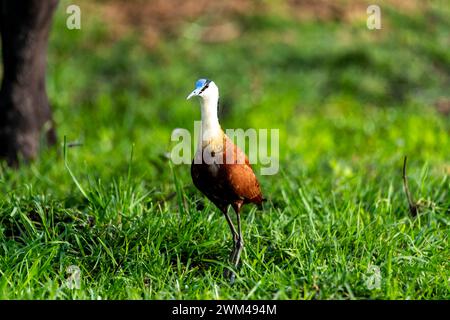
{"points": [[239, 176], [242, 182]]}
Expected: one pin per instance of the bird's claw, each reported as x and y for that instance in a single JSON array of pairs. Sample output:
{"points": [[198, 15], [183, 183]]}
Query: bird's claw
{"points": [[232, 278], [229, 274]]}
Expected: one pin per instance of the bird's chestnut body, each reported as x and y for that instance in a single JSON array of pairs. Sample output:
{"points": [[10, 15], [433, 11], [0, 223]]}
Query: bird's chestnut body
{"points": [[228, 181]]}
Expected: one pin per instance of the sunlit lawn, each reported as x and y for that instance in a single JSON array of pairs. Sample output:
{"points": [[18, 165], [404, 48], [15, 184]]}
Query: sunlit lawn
{"points": [[349, 103]]}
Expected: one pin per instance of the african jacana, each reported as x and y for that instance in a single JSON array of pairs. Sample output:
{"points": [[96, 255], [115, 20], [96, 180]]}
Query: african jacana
{"points": [[221, 170]]}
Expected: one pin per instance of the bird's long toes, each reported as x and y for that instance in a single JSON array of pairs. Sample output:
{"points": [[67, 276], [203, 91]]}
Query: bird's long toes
{"points": [[228, 273], [232, 278]]}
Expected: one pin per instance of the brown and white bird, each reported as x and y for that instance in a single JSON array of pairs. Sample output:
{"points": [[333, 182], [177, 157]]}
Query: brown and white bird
{"points": [[221, 170]]}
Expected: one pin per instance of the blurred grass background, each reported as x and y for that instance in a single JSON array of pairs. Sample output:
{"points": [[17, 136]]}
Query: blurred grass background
{"points": [[349, 102]]}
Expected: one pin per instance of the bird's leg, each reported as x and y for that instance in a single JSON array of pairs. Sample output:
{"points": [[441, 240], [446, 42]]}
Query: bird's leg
{"points": [[235, 239], [239, 243], [231, 225]]}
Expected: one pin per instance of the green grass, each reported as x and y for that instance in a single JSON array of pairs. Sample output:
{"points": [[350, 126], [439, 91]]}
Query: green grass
{"points": [[349, 103]]}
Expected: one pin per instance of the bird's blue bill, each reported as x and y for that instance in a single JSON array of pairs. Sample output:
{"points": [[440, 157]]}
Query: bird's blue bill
{"points": [[193, 93]]}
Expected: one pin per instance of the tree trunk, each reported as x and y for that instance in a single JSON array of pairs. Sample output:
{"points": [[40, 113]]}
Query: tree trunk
{"points": [[25, 114]]}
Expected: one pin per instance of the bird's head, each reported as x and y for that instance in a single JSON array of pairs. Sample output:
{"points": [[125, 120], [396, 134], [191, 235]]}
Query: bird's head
{"points": [[206, 90]]}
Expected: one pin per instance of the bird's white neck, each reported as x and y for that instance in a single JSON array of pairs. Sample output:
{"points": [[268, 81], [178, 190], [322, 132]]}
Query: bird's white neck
{"points": [[210, 122]]}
